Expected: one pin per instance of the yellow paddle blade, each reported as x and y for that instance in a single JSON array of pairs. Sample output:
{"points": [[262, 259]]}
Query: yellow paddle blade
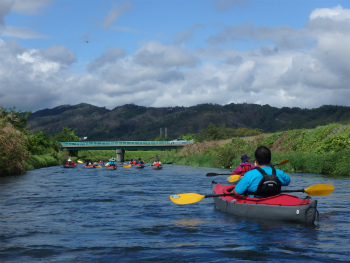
{"points": [[79, 161], [319, 189], [233, 178], [283, 162], [184, 199], [127, 166]]}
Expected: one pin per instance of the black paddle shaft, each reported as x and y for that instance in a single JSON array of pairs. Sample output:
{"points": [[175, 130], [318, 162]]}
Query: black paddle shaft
{"points": [[215, 174], [218, 195]]}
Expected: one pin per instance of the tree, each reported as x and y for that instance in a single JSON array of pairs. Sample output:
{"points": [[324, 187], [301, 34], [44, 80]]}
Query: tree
{"points": [[41, 143], [16, 118], [13, 149], [66, 135]]}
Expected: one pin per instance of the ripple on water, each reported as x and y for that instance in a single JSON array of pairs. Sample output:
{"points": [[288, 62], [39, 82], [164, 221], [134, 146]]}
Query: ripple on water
{"points": [[79, 215]]}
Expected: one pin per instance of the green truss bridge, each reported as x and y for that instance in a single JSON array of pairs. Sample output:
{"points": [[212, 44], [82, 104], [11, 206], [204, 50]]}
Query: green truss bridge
{"points": [[124, 145], [121, 146]]}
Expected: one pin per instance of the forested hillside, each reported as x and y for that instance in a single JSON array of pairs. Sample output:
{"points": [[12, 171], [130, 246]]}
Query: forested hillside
{"points": [[132, 122]]}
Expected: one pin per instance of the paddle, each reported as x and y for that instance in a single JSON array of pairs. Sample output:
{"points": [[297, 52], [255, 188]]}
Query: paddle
{"points": [[314, 190], [127, 166], [79, 161], [233, 178], [215, 174]]}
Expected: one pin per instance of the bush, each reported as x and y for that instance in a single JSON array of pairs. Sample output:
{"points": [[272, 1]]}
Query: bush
{"points": [[13, 149]]}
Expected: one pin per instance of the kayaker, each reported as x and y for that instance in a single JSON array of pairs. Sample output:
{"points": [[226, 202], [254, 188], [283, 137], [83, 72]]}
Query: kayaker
{"points": [[69, 162], [111, 162], [264, 180], [244, 167], [156, 162], [139, 161]]}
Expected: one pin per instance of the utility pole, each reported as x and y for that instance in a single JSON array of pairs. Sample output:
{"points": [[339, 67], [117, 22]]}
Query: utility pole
{"points": [[161, 135], [166, 132]]}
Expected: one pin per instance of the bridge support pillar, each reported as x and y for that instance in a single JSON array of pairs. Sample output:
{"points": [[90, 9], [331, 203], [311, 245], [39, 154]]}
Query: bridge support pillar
{"points": [[120, 155]]}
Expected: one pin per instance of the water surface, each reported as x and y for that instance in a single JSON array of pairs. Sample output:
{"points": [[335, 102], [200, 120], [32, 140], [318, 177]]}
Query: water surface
{"points": [[96, 215]]}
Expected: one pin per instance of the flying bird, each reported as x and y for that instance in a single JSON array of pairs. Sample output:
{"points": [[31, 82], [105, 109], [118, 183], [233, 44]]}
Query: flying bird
{"points": [[86, 41]]}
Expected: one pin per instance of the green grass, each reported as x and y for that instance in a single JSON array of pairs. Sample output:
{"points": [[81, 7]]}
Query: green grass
{"points": [[323, 150]]}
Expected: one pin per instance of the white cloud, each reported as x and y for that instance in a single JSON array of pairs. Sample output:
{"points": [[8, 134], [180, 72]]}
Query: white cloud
{"points": [[23, 7], [155, 54], [290, 67], [5, 8], [110, 56], [115, 13], [337, 13], [29, 7], [19, 32]]}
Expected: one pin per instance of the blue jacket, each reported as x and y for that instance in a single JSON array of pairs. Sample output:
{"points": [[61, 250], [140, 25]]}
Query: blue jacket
{"points": [[251, 180]]}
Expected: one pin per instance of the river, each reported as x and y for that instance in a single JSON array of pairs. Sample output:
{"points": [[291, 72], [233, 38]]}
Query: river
{"points": [[125, 215]]}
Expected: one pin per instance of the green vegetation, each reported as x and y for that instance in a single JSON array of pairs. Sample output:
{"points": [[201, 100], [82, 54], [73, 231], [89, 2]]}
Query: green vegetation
{"points": [[204, 121], [322, 150], [21, 151], [219, 133]]}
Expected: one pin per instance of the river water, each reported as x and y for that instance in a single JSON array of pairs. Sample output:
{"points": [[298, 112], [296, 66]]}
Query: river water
{"points": [[125, 215]]}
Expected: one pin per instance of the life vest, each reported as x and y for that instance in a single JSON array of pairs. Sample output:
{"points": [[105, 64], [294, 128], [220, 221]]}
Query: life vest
{"points": [[245, 168], [269, 185]]}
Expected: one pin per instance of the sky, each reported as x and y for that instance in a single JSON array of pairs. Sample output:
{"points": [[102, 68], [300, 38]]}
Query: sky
{"points": [[166, 53]]}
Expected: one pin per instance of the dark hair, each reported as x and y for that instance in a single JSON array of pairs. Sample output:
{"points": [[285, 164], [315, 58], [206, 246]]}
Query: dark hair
{"points": [[263, 155]]}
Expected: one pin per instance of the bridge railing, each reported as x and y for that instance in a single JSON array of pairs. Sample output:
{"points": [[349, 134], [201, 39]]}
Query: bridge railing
{"points": [[107, 143]]}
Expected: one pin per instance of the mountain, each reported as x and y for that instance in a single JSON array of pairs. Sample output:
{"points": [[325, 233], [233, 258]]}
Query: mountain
{"points": [[132, 122]]}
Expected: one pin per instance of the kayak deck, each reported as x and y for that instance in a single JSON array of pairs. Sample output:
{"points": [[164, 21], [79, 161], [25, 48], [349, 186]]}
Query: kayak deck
{"points": [[156, 167], [283, 207], [70, 165], [111, 167]]}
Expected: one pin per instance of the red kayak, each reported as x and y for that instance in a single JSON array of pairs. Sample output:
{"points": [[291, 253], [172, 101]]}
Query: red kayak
{"points": [[111, 167], [88, 166], [283, 207], [72, 165], [157, 167]]}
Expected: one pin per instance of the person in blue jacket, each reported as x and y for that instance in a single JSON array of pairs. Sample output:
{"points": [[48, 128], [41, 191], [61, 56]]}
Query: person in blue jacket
{"points": [[139, 161], [111, 162], [264, 180]]}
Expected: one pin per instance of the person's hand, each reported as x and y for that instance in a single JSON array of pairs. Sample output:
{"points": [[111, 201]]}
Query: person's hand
{"points": [[234, 192]]}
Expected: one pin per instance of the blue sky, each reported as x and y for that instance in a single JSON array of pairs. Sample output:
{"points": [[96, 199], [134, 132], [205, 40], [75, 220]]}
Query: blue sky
{"points": [[162, 53]]}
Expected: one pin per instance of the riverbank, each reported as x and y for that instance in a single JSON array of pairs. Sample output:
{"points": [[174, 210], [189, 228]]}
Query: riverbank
{"points": [[323, 150]]}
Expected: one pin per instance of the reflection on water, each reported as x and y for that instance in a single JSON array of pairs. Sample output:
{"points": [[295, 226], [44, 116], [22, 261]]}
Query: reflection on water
{"points": [[188, 222], [125, 215]]}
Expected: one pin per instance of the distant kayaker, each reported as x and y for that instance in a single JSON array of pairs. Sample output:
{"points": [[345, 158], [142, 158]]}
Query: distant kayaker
{"points": [[244, 167], [264, 180], [156, 162], [69, 162], [111, 162], [139, 161]]}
